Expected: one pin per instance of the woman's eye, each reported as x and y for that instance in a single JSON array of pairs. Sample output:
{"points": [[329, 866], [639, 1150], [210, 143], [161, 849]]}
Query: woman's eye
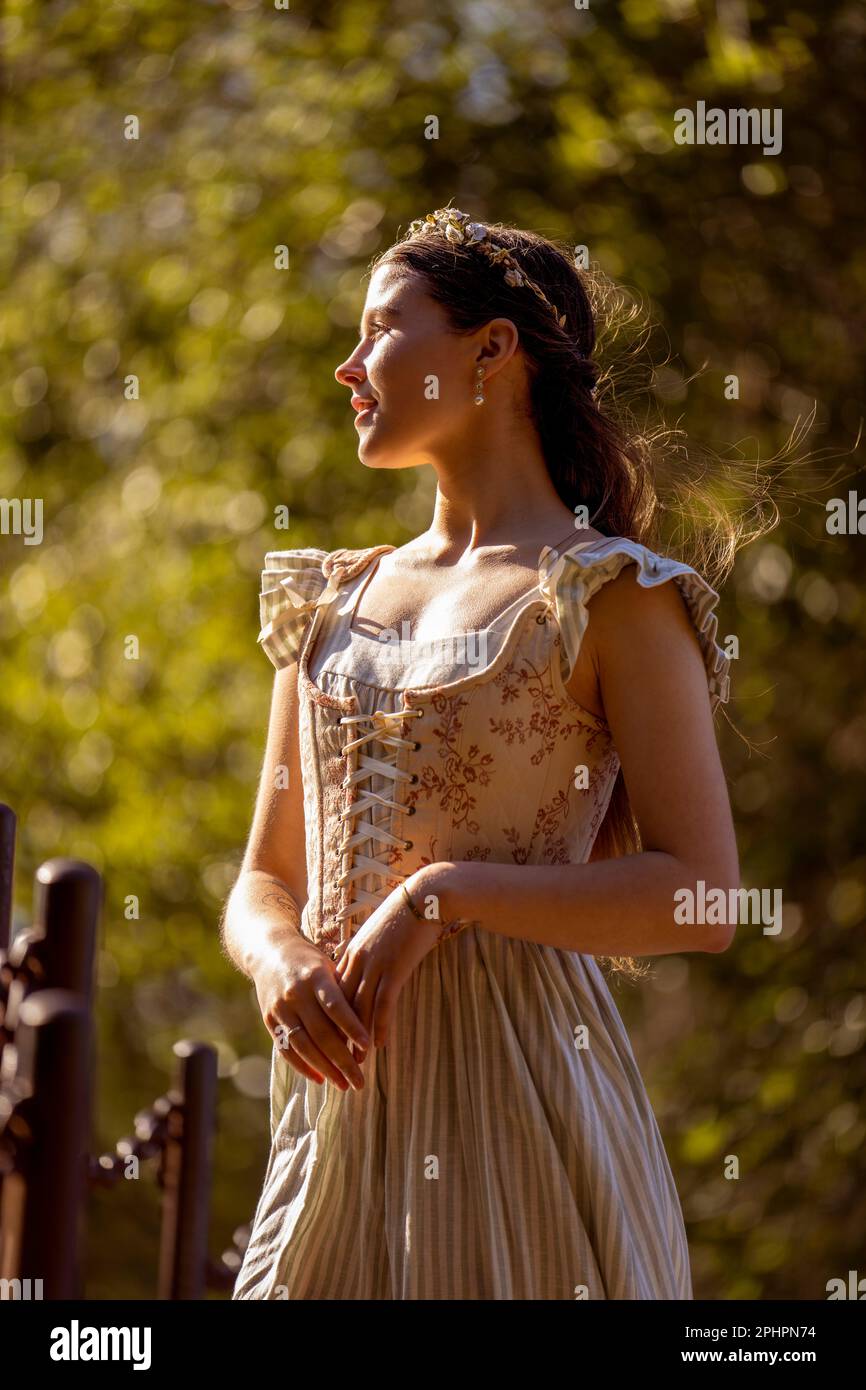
{"points": [[374, 328]]}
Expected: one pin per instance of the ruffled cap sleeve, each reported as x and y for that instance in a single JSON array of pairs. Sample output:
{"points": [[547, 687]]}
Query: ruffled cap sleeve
{"points": [[293, 586], [570, 578]]}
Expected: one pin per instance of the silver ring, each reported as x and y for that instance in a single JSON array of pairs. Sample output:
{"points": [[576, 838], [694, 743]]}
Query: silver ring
{"points": [[285, 1036]]}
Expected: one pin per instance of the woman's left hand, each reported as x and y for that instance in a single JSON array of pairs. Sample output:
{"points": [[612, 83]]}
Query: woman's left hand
{"points": [[379, 959]]}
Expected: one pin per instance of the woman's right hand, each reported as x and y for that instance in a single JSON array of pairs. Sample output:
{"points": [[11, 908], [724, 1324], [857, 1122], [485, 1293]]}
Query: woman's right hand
{"points": [[298, 985]]}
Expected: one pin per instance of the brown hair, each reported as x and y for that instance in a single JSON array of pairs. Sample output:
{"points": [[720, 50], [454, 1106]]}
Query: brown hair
{"points": [[631, 475]]}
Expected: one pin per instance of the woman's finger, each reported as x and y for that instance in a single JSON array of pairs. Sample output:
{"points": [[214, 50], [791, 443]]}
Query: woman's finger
{"points": [[383, 1008], [349, 979], [282, 1034], [365, 995], [305, 1049], [338, 1009], [330, 1043], [300, 1064], [305, 1031]]}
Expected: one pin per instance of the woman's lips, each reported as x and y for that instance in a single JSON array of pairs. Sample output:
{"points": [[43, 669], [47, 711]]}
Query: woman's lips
{"points": [[365, 412]]}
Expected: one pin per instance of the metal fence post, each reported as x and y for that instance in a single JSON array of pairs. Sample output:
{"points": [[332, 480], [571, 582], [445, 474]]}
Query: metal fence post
{"points": [[45, 1108], [186, 1175], [66, 904]]}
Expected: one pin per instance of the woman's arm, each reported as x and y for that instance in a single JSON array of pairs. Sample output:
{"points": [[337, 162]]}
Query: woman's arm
{"points": [[299, 994], [654, 687], [264, 907]]}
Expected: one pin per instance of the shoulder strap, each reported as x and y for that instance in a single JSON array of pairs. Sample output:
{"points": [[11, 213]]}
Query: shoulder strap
{"points": [[347, 564]]}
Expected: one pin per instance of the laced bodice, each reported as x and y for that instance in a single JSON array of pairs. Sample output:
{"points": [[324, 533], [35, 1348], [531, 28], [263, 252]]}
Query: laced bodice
{"points": [[360, 831], [478, 743]]}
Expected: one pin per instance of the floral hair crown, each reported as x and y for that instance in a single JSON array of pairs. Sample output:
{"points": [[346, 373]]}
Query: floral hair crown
{"points": [[456, 227]]}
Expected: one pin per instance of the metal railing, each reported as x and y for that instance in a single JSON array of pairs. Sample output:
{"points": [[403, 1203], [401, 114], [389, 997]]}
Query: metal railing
{"points": [[46, 1072]]}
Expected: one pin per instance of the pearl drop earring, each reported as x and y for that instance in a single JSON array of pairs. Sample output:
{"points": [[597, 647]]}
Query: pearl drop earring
{"points": [[479, 386]]}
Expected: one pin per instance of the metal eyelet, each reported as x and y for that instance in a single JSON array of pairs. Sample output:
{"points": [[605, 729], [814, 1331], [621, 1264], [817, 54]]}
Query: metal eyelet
{"points": [[410, 810], [408, 844], [413, 779], [417, 746]]}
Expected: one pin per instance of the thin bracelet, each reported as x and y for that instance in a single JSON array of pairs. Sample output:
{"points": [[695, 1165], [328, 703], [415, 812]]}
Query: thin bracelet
{"points": [[450, 930]]}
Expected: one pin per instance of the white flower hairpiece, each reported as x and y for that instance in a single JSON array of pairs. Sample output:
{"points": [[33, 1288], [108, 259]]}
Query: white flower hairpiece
{"points": [[457, 228]]}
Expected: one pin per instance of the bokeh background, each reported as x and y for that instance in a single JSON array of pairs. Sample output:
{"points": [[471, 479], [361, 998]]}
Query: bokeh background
{"points": [[261, 127]]}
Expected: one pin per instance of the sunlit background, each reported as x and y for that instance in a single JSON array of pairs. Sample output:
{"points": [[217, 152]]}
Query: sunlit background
{"points": [[154, 258]]}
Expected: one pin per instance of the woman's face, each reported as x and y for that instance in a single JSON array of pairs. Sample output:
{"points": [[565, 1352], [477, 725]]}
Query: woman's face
{"points": [[417, 375]]}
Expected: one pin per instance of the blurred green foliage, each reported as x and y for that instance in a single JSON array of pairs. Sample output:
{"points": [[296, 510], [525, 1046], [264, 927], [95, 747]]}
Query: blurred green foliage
{"points": [[154, 257]]}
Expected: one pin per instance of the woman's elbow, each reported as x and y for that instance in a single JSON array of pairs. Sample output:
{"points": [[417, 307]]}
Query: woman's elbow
{"points": [[720, 938], [711, 905]]}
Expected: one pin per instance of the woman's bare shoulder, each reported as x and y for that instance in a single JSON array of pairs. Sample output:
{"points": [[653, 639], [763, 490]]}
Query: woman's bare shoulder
{"points": [[638, 627]]}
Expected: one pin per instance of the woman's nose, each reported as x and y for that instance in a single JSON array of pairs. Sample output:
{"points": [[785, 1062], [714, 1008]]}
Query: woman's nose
{"points": [[349, 372]]}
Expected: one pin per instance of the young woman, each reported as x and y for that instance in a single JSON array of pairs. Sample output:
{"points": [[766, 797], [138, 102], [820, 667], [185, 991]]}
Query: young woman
{"points": [[491, 765]]}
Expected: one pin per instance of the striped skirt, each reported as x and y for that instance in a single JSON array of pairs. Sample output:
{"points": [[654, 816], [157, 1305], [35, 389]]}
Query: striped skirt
{"points": [[503, 1147]]}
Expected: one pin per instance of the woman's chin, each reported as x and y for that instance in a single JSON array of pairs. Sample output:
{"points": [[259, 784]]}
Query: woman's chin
{"points": [[372, 456], [370, 450]]}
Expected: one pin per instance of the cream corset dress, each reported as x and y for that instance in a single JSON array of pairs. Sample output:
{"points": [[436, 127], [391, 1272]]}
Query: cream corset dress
{"points": [[503, 1145]]}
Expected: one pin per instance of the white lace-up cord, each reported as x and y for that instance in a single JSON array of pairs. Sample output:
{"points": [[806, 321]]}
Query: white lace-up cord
{"points": [[364, 832]]}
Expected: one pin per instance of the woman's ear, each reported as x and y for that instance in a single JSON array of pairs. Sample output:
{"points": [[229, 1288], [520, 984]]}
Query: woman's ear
{"points": [[498, 345]]}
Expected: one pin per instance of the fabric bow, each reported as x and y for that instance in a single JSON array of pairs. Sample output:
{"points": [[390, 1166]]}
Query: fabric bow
{"points": [[300, 605]]}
